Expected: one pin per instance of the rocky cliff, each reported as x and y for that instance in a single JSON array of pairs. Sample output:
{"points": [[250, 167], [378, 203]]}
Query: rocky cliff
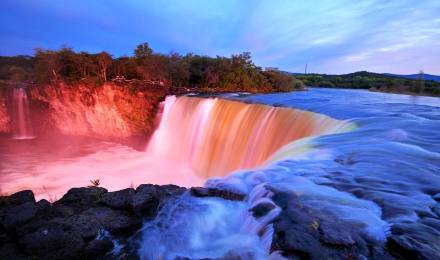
{"points": [[5, 120], [110, 111]]}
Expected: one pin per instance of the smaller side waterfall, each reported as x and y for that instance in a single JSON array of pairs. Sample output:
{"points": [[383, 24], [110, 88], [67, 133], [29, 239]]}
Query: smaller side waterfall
{"points": [[22, 122]]}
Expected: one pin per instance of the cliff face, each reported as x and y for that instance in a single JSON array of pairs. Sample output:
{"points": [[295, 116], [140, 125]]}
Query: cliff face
{"points": [[5, 120], [109, 112]]}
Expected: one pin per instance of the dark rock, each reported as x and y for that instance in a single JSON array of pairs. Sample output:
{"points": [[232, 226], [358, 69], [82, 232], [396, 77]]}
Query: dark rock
{"points": [[145, 202], [61, 230], [212, 192], [43, 205], [147, 199], [4, 238], [54, 241], [262, 209], [63, 211], [114, 221], [166, 191], [97, 248], [11, 251], [31, 227], [18, 198], [18, 215], [118, 199], [85, 225], [82, 198], [301, 232]]}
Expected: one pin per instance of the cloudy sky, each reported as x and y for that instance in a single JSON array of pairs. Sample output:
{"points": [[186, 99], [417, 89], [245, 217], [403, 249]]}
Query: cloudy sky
{"points": [[332, 36]]}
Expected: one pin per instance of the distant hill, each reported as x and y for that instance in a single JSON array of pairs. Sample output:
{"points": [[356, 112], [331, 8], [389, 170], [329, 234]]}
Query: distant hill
{"points": [[414, 76], [373, 81], [366, 73]]}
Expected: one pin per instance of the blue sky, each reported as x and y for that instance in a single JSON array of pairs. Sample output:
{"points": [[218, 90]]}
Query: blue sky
{"points": [[332, 36]]}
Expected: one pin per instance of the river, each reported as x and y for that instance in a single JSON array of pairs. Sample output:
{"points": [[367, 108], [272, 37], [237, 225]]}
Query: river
{"points": [[375, 161]]}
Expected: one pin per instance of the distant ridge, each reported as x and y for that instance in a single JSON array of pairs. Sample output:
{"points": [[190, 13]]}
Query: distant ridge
{"points": [[365, 73], [415, 76]]}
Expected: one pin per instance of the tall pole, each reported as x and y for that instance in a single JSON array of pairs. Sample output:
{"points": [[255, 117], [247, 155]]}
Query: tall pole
{"points": [[305, 70]]}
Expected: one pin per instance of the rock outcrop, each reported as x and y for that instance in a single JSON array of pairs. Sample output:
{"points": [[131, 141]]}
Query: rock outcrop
{"points": [[301, 232], [77, 225]]}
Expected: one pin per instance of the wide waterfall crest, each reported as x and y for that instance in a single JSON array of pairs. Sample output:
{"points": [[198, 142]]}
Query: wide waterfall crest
{"points": [[217, 136]]}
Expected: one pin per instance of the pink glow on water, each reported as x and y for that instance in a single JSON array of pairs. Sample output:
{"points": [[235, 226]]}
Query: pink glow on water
{"points": [[116, 166]]}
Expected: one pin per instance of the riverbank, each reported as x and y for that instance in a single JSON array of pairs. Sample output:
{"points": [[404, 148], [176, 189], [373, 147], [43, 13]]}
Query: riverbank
{"points": [[404, 92]]}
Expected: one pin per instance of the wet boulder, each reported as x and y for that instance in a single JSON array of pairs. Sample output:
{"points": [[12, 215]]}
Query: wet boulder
{"points": [[212, 192], [147, 199], [261, 209], [303, 232]]}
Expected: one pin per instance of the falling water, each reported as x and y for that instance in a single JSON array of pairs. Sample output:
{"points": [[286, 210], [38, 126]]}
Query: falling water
{"points": [[217, 136], [23, 127]]}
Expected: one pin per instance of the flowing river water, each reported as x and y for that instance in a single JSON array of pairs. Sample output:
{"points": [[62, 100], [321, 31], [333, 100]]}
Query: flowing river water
{"points": [[359, 156]]}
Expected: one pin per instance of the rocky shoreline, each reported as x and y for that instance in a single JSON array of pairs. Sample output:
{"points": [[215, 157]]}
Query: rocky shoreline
{"points": [[73, 226], [78, 225]]}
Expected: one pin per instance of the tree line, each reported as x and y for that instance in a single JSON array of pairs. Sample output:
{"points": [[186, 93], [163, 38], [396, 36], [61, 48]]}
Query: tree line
{"points": [[174, 71]]}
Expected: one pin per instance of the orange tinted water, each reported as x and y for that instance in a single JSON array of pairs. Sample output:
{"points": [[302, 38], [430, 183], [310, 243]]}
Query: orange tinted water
{"points": [[217, 136]]}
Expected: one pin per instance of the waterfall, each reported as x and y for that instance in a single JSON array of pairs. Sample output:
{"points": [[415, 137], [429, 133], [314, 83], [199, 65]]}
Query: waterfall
{"points": [[22, 126], [216, 136]]}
